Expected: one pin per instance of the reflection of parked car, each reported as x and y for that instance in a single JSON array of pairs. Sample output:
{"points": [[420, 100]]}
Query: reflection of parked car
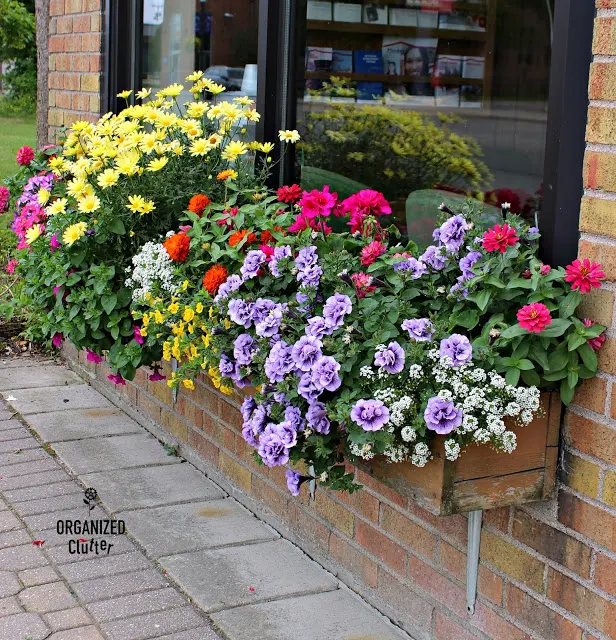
{"points": [[229, 77]]}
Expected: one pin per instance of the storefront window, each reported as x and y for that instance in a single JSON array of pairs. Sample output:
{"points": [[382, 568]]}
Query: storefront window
{"points": [[427, 100], [218, 37]]}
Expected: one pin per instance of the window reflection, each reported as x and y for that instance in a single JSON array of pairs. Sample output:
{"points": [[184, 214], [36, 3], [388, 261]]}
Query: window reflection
{"points": [[427, 100]]}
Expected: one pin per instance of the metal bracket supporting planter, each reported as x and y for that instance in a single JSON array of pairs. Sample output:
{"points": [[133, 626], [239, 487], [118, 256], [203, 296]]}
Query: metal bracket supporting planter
{"points": [[174, 368], [472, 558], [312, 485]]}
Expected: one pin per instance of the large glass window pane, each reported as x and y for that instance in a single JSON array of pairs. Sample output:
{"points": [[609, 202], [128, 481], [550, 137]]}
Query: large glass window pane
{"points": [[218, 37], [427, 100]]}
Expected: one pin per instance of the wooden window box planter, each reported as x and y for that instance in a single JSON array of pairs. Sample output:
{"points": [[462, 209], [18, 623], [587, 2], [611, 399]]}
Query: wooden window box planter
{"points": [[482, 478]]}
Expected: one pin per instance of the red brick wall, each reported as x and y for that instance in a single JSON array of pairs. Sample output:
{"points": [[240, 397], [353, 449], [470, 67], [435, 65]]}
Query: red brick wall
{"points": [[546, 571], [75, 60]]}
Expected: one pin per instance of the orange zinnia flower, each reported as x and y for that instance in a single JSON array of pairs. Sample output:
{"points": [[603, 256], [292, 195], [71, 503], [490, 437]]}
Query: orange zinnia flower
{"points": [[214, 277], [238, 236], [198, 204], [177, 246]]}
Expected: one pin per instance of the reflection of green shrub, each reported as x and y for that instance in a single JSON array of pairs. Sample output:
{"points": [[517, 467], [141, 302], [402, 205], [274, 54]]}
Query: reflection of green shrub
{"points": [[392, 150]]}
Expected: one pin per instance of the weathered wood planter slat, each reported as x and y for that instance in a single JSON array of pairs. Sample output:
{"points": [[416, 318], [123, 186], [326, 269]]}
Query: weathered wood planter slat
{"points": [[483, 478]]}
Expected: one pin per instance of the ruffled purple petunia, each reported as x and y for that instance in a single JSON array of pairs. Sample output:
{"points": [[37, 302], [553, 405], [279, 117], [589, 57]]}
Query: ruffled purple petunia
{"points": [[305, 352], [467, 263], [316, 416], [413, 267], [272, 450], [252, 263], [293, 416], [458, 348], [370, 415], [293, 481], [335, 308], [280, 253], [433, 257], [318, 327], [420, 329], [232, 283], [325, 374], [307, 388], [390, 359], [240, 312], [451, 233], [244, 349], [279, 362], [442, 416]]}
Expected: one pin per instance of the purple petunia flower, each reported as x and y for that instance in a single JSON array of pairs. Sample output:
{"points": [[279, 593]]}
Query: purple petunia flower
{"points": [[467, 263], [316, 416], [307, 388], [451, 233], [442, 416], [248, 406], [269, 324], [306, 257], [370, 415], [293, 481], [306, 351], [244, 349], [232, 283], [420, 329], [227, 366], [272, 450], [293, 416], [280, 253], [260, 308], [413, 267], [391, 359], [252, 263], [248, 435], [318, 327], [433, 256], [310, 276], [279, 362], [240, 312], [458, 348], [325, 374], [285, 432], [335, 308]]}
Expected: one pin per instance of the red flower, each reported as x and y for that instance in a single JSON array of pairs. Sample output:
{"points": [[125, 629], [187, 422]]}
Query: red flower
{"points": [[289, 194], [499, 238], [362, 282], [594, 343], [25, 156], [584, 275], [372, 251], [214, 277], [366, 203], [534, 317], [177, 246], [198, 204]]}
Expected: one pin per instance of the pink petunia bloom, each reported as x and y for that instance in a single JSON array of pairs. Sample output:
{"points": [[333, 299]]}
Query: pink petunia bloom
{"points": [[534, 317], [25, 156], [11, 266], [92, 356], [116, 378], [594, 343], [318, 203], [57, 340], [5, 195], [53, 243], [499, 238], [268, 250], [157, 375], [363, 284], [584, 275], [300, 224], [366, 203], [230, 213], [372, 251], [137, 335]]}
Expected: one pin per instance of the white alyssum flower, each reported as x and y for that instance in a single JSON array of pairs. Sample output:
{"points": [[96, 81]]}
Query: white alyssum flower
{"points": [[469, 423], [366, 372], [152, 265], [512, 409], [415, 372], [509, 442], [408, 434], [364, 451], [482, 436], [452, 450], [396, 454]]}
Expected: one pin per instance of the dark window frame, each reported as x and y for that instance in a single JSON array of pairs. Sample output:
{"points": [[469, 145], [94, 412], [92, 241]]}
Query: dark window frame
{"points": [[281, 38]]}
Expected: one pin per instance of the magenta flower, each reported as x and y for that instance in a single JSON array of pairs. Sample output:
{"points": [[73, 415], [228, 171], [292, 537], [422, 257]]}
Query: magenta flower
{"points": [[372, 251], [157, 375], [318, 203], [57, 340], [116, 378], [11, 266], [25, 156], [366, 203], [53, 243], [137, 335], [5, 195], [93, 357]]}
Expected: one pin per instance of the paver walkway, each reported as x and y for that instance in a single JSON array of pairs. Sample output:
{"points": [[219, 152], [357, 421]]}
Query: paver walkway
{"points": [[232, 576]]}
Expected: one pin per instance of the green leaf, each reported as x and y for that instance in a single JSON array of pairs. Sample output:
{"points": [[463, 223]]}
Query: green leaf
{"points": [[467, 319], [513, 332], [540, 356], [525, 365], [519, 283], [556, 328], [594, 331], [481, 298], [559, 358], [572, 378], [589, 357], [566, 392], [117, 226], [496, 282], [553, 376], [531, 378], [109, 303], [569, 304], [575, 340], [512, 376]]}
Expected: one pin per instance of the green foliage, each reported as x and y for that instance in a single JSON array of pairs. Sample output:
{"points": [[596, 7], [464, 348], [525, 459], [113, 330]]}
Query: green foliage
{"points": [[395, 151]]}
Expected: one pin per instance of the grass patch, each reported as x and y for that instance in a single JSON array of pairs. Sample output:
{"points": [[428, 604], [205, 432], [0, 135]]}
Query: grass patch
{"points": [[14, 134]]}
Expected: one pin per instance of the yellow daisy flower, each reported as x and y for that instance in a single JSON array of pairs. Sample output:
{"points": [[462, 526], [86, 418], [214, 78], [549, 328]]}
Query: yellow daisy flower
{"points": [[143, 94], [33, 233], [266, 147], [157, 164], [107, 178], [199, 147], [173, 90], [73, 233], [125, 94], [43, 197], [288, 135], [148, 207], [89, 204], [57, 206], [194, 76], [136, 203], [196, 109], [243, 100], [234, 149]]}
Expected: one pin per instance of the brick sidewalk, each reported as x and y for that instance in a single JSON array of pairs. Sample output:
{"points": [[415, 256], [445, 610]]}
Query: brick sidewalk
{"points": [[194, 559]]}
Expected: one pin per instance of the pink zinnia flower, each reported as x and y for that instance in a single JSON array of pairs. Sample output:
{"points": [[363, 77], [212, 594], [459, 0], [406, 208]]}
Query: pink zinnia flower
{"points": [[545, 269], [185, 228], [584, 275], [53, 243], [363, 284], [93, 357], [594, 343], [116, 378], [290, 194], [230, 213], [5, 194], [57, 340], [534, 317], [318, 203], [372, 251], [499, 238], [366, 203], [11, 265], [137, 335], [25, 156]]}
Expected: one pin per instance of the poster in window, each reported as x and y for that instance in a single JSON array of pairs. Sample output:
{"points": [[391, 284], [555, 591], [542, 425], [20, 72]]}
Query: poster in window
{"points": [[153, 12]]}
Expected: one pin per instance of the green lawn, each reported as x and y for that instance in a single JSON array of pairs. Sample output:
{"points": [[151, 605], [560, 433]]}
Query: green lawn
{"points": [[14, 133]]}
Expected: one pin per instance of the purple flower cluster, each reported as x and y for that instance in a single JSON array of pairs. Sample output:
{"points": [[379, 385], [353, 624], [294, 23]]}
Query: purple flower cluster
{"points": [[280, 253], [391, 358], [33, 186], [420, 329], [267, 316], [458, 348], [293, 481], [442, 416], [451, 233], [232, 283], [308, 271], [370, 415], [467, 263], [434, 257], [244, 349], [335, 308], [415, 268], [252, 263], [279, 362]]}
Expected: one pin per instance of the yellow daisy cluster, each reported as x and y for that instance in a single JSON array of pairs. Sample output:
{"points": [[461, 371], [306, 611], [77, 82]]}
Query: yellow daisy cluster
{"points": [[186, 331]]}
